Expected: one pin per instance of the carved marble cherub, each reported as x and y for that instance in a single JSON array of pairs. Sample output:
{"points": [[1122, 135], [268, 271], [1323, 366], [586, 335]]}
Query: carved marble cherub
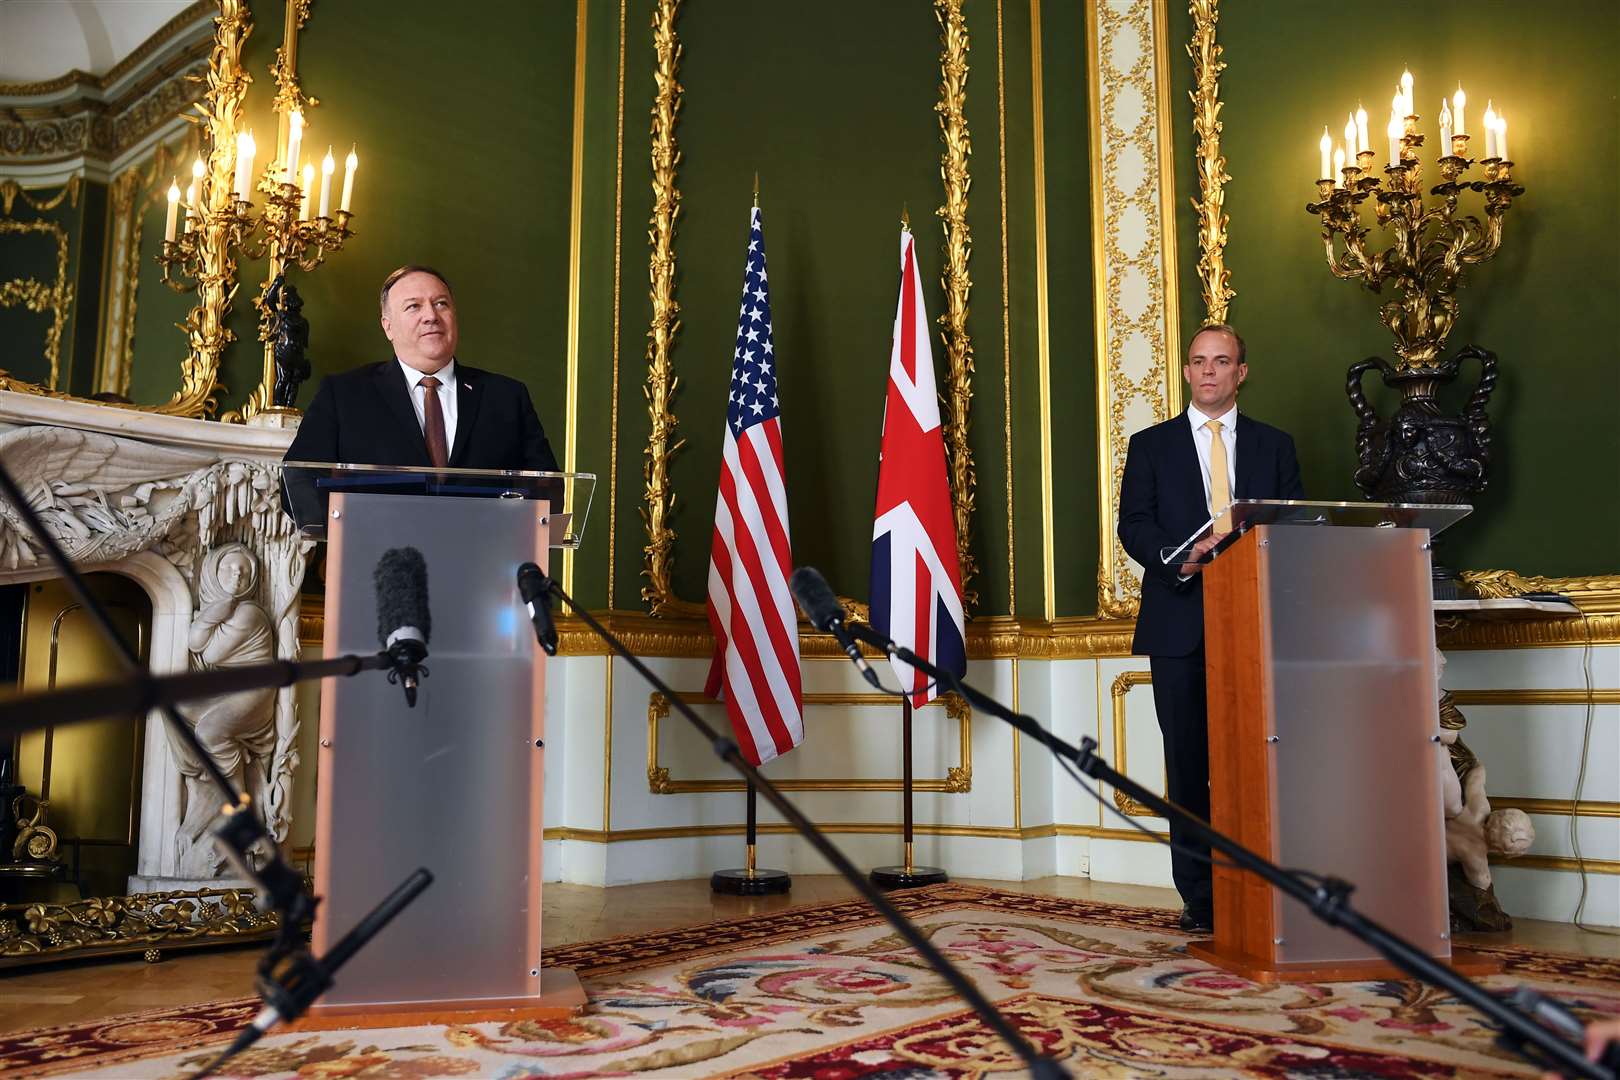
{"points": [[237, 730]]}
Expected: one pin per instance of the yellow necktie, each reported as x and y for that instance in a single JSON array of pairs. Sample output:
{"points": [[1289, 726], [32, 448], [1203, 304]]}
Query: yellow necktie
{"points": [[1220, 486]]}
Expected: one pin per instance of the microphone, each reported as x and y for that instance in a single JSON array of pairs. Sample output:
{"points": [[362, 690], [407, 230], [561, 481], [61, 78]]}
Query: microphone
{"points": [[535, 588], [821, 607], [404, 624]]}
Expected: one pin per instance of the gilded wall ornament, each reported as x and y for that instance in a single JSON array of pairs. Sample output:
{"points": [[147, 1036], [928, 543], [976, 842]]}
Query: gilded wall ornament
{"points": [[1214, 277]]}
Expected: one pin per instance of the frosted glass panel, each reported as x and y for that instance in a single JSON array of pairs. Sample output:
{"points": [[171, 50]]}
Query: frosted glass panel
{"points": [[1354, 701], [453, 784]]}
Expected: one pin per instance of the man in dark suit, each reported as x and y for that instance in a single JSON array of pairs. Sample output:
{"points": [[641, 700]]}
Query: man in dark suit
{"points": [[422, 407], [1178, 475]]}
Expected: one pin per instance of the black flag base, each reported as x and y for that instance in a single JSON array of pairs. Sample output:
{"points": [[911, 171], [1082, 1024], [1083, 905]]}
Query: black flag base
{"points": [[748, 882], [909, 876]]}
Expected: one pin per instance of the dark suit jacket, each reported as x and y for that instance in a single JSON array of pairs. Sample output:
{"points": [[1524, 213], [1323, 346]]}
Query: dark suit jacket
{"points": [[365, 417], [1161, 502]]}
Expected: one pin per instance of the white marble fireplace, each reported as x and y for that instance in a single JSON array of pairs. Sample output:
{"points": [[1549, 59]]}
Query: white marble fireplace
{"points": [[190, 510]]}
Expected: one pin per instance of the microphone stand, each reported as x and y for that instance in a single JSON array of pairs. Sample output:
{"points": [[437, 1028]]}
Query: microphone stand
{"points": [[726, 750], [139, 697], [1328, 901], [242, 830]]}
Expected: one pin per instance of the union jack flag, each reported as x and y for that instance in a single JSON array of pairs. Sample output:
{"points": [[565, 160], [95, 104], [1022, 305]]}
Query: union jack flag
{"points": [[756, 638], [916, 579]]}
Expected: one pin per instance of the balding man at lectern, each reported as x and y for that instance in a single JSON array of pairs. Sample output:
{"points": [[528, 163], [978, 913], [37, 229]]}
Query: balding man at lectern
{"points": [[422, 407], [1178, 475]]}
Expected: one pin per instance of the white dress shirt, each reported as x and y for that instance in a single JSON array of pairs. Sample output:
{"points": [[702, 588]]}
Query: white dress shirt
{"points": [[447, 401], [1203, 437]]}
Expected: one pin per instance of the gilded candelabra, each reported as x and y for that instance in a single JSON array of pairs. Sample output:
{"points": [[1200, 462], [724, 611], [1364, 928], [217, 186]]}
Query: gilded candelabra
{"points": [[1419, 454], [221, 222]]}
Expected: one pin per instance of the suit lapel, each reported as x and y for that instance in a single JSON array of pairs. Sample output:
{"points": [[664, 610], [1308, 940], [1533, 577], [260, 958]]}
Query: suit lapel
{"points": [[1248, 460], [1184, 455], [469, 395], [396, 395]]}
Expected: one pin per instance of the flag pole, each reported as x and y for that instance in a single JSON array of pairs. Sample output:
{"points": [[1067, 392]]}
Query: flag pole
{"points": [[750, 880], [909, 875]]}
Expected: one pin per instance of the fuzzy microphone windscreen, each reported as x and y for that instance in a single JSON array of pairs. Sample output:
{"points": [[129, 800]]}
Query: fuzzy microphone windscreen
{"points": [[402, 593]]}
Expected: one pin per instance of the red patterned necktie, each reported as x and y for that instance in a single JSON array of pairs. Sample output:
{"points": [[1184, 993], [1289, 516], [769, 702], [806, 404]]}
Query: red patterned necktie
{"points": [[433, 426]]}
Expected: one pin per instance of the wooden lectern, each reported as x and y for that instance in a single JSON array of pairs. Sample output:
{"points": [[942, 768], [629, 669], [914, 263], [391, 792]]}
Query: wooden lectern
{"points": [[1324, 750], [454, 784]]}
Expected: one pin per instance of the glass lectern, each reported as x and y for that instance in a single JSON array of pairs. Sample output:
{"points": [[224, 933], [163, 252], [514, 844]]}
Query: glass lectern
{"points": [[456, 782]]}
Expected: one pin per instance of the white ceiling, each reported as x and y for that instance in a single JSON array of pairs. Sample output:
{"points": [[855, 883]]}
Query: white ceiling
{"points": [[42, 39]]}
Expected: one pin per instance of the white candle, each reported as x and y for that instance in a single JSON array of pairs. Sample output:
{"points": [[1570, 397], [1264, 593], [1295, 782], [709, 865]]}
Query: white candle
{"points": [[1326, 146], [309, 182], [1338, 165], [1501, 136], [1490, 130], [239, 180], [348, 179], [1406, 91], [327, 165], [1445, 128], [1350, 139], [295, 139], [174, 210], [1458, 100], [1362, 142], [1394, 131]]}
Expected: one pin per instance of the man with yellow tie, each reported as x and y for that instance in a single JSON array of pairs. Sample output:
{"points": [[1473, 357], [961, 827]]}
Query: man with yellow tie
{"points": [[1178, 475]]}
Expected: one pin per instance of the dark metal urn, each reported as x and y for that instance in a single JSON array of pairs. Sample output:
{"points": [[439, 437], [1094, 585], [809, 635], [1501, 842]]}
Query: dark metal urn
{"points": [[1420, 454]]}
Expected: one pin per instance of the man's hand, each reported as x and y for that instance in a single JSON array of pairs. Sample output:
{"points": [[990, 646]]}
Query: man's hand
{"points": [[1200, 549], [1598, 1038]]}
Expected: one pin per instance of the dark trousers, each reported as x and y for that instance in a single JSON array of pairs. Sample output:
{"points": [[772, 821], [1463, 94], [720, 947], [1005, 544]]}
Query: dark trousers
{"points": [[1179, 699]]}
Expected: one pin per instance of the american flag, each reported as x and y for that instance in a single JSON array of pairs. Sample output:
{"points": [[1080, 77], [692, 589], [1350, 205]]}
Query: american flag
{"points": [[916, 579], [756, 639]]}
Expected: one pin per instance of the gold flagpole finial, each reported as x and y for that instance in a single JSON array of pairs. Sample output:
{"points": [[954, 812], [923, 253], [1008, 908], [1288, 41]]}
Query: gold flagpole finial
{"points": [[905, 217], [756, 189]]}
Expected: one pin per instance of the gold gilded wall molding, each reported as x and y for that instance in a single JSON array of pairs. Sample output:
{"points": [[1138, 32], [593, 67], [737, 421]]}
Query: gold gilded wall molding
{"points": [[1596, 593], [958, 778], [97, 130], [618, 251], [11, 191], [658, 500], [958, 284], [1134, 257], [130, 195], [1559, 807], [55, 299], [1123, 683], [1043, 322], [1558, 862], [856, 828], [1535, 697], [1006, 315], [1214, 277]]}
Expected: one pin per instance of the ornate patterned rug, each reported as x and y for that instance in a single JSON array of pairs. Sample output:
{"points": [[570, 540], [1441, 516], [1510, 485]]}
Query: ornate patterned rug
{"points": [[830, 992]]}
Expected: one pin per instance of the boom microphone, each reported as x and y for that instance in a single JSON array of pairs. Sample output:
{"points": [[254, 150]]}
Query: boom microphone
{"points": [[821, 607], [404, 624]]}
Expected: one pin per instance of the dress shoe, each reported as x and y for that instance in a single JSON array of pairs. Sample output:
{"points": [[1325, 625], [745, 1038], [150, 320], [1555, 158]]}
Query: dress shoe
{"points": [[1195, 922]]}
